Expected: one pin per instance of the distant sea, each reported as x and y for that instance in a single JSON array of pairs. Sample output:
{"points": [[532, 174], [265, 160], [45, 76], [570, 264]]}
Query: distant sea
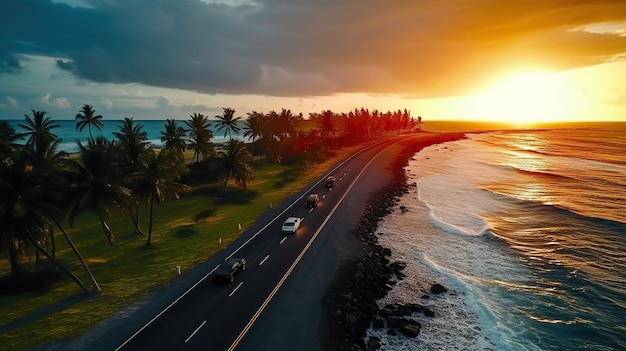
{"points": [[527, 230], [69, 135]]}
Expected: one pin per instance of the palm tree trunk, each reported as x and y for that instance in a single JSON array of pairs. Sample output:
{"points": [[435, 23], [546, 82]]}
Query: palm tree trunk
{"points": [[16, 268], [40, 248], [135, 218], [107, 231], [151, 218], [80, 257], [53, 243], [226, 182]]}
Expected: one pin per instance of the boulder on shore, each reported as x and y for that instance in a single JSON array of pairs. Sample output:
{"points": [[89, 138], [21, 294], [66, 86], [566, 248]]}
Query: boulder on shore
{"points": [[410, 330], [438, 289]]}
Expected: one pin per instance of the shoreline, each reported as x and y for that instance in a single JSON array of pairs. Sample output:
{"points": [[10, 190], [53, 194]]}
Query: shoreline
{"points": [[349, 306]]}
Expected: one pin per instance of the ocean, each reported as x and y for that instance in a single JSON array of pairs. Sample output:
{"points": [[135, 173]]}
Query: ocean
{"points": [[69, 135], [527, 230]]}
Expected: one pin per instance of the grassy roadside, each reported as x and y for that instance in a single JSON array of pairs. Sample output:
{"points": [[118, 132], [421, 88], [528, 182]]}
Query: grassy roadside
{"points": [[128, 270]]}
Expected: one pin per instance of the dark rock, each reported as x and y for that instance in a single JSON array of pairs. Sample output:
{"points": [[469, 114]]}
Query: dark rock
{"points": [[387, 311], [392, 332], [409, 330], [413, 322], [438, 289], [428, 312], [398, 267], [378, 324], [393, 322], [373, 343], [415, 307], [403, 310]]}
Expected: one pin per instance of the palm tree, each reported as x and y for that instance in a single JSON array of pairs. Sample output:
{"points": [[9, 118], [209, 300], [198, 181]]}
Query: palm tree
{"points": [[173, 137], [253, 126], [327, 123], [285, 123], [133, 144], [158, 177], [200, 137], [8, 137], [41, 144], [87, 117], [277, 131], [28, 217], [39, 132], [237, 162], [228, 122], [92, 185]]}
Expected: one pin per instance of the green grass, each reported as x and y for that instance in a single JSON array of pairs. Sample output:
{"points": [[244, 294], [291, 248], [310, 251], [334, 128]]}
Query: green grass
{"points": [[128, 270]]}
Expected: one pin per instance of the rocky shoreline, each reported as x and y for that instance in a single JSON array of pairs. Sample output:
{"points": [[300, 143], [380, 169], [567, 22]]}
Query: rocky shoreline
{"points": [[349, 306]]}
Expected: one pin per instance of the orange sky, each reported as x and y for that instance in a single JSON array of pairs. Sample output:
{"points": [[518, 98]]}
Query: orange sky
{"points": [[516, 61]]}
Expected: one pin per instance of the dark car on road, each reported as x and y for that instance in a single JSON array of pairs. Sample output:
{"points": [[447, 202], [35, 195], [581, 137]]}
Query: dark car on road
{"points": [[227, 270], [330, 182], [312, 200]]}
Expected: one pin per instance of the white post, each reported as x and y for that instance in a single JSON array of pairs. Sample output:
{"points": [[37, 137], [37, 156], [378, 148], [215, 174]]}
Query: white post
{"points": [[239, 226], [177, 270], [220, 240]]}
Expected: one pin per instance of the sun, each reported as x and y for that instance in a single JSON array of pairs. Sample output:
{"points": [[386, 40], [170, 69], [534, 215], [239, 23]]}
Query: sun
{"points": [[525, 98]]}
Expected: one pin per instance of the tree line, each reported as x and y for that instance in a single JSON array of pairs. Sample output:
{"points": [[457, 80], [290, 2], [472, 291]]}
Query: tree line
{"points": [[43, 189]]}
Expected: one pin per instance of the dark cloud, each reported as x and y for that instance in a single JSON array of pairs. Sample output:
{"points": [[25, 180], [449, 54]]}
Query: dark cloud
{"points": [[9, 63], [296, 48]]}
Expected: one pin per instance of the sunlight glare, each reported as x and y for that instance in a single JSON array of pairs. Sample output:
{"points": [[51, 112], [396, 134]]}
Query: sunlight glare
{"points": [[526, 98]]}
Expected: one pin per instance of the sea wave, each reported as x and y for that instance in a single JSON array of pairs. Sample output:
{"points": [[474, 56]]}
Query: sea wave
{"points": [[536, 253]]}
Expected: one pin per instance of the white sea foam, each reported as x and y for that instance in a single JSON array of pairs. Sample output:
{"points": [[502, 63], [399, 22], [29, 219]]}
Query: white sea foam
{"points": [[446, 203], [449, 183], [521, 276]]}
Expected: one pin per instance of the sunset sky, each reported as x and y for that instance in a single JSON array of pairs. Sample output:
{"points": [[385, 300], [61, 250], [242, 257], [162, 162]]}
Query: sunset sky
{"points": [[514, 61]]}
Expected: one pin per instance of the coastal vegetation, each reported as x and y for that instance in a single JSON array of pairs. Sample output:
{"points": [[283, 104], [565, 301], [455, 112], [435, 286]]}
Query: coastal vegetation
{"points": [[103, 188]]}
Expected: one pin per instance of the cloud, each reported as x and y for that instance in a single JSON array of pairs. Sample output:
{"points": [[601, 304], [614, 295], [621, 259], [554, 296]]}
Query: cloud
{"points": [[106, 103], [45, 100], [10, 104], [9, 63], [60, 102], [200, 108], [163, 102], [287, 48]]}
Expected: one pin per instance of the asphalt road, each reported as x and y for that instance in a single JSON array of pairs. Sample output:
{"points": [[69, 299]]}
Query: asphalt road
{"points": [[275, 303]]}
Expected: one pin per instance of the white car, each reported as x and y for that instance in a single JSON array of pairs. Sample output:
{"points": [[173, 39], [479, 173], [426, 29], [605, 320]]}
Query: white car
{"points": [[291, 225]]}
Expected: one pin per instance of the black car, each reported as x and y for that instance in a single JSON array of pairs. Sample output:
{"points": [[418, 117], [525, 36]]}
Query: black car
{"points": [[330, 182], [312, 200], [227, 270]]}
